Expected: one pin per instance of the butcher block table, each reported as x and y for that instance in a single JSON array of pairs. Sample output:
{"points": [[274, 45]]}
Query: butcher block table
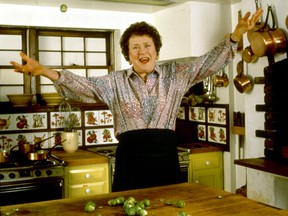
{"points": [[200, 201]]}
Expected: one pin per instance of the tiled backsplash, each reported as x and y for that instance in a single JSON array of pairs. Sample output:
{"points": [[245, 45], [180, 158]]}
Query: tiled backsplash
{"points": [[95, 126]]}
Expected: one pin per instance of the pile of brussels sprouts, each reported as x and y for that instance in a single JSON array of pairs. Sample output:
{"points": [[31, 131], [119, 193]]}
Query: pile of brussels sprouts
{"points": [[132, 207]]}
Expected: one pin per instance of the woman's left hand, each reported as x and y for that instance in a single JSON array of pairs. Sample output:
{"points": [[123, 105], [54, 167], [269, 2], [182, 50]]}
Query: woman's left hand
{"points": [[246, 24]]}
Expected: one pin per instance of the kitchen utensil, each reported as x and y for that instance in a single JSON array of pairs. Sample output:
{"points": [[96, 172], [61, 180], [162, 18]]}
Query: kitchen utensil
{"points": [[249, 56], [4, 156], [41, 154], [242, 82], [209, 96], [259, 25], [19, 100], [268, 42], [240, 42], [38, 142], [52, 98], [221, 80], [24, 148]]}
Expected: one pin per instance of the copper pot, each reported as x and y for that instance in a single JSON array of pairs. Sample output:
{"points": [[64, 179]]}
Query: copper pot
{"points": [[259, 25], [41, 154], [268, 42], [242, 82], [221, 80], [249, 56], [4, 156], [24, 148]]}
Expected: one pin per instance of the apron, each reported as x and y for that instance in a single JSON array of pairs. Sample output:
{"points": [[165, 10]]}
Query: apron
{"points": [[146, 158]]}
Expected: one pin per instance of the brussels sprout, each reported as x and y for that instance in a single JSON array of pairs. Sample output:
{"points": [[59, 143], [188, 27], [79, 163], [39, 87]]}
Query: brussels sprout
{"points": [[141, 204], [146, 202], [142, 212], [130, 211], [182, 213], [180, 204], [112, 202], [90, 206], [120, 200]]}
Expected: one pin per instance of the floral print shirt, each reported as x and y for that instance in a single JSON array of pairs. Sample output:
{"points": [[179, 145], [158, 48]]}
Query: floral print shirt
{"points": [[136, 104]]}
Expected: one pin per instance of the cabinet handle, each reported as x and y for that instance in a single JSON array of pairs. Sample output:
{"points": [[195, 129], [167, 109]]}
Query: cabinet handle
{"points": [[87, 190], [87, 176], [207, 163]]}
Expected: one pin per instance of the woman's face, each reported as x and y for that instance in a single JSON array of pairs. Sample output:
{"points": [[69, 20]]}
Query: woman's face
{"points": [[142, 54]]}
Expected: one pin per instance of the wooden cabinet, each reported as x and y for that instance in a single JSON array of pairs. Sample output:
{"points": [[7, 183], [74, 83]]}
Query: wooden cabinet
{"points": [[207, 169], [86, 180]]}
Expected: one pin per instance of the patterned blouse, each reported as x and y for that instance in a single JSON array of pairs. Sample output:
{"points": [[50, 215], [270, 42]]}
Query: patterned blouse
{"points": [[136, 104]]}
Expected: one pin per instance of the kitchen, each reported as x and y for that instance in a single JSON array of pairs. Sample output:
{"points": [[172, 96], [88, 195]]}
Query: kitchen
{"points": [[195, 44]]}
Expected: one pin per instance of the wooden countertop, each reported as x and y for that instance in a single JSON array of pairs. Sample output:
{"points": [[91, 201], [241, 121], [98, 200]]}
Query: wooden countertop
{"points": [[80, 157], [200, 201], [264, 164]]}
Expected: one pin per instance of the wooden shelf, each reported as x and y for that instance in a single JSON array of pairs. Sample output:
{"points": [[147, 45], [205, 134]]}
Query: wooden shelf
{"points": [[238, 130]]}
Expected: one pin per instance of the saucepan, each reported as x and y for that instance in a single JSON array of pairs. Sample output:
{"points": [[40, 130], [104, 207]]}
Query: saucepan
{"points": [[268, 42], [41, 154], [24, 148], [4, 156], [221, 80], [242, 82], [249, 56], [259, 25]]}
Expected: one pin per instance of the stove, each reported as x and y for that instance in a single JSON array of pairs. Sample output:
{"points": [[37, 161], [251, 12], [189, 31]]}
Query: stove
{"points": [[24, 181]]}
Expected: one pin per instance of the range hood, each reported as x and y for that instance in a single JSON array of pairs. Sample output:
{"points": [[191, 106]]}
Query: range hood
{"points": [[146, 2]]}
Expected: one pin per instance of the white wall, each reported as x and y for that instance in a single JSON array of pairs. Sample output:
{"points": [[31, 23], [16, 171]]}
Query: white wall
{"points": [[23, 15]]}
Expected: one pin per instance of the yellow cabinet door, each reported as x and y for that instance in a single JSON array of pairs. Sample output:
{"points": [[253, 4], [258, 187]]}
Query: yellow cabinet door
{"points": [[209, 177]]}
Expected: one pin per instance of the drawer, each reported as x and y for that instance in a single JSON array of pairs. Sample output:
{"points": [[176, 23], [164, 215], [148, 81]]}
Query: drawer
{"points": [[205, 161], [80, 190], [87, 175]]}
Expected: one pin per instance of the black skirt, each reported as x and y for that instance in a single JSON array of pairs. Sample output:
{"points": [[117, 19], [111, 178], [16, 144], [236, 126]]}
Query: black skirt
{"points": [[146, 158]]}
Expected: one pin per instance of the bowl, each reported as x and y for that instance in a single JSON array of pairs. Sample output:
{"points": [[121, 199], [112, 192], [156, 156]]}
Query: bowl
{"points": [[19, 100], [52, 99]]}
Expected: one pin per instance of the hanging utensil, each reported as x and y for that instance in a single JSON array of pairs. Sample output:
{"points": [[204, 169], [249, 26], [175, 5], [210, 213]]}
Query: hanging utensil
{"points": [[259, 25], [240, 42], [242, 82]]}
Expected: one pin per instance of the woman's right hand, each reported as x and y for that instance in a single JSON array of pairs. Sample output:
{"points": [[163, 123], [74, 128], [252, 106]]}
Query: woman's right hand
{"points": [[34, 68]]}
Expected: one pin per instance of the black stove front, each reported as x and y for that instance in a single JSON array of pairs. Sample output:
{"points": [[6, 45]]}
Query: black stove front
{"points": [[24, 181]]}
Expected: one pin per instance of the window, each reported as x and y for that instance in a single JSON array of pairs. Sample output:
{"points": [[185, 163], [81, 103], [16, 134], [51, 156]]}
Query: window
{"points": [[86, 53]]}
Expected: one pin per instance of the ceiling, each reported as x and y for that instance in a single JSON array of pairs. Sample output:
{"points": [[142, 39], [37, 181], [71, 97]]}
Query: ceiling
{"points": [[140, 6]]}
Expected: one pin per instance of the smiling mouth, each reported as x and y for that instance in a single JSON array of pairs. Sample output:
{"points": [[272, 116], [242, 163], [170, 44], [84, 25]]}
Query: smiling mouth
{"points": [[144, 60]]}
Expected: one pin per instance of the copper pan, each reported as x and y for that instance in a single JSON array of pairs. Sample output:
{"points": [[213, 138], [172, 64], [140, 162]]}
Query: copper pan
{"points": [[249, 56], [242, 82], [268, 43], [41, 154], [259, 25]]}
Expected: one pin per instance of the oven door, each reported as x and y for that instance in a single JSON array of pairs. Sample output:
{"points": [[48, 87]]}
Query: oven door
{"points": [[34, 190], [184, 172]]}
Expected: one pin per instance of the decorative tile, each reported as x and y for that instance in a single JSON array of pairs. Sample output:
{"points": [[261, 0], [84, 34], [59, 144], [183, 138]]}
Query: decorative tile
{"points": [[7, 141], [181, 113], [39, 120], [92, 136], [105, 117], [91, 118], [5, 122], [58, 119], [22, 121], [107, 136]]}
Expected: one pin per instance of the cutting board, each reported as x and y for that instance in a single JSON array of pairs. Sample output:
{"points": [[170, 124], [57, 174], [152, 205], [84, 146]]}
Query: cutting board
{"points": [[200, 201]]}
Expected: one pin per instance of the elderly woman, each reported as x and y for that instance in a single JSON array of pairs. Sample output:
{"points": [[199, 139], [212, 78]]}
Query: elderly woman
{"points": [[144, 100]]}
